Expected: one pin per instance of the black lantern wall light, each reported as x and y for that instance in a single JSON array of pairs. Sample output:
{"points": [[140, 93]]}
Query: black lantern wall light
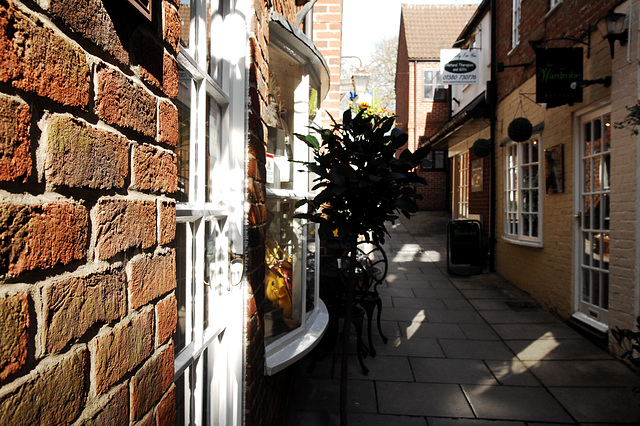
{"points": [[613, 26]]}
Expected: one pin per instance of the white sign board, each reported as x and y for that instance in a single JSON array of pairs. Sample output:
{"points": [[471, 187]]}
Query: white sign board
{"points": [[459, 66]]}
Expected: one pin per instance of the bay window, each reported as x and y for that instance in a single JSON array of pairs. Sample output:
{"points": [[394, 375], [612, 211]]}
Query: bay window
{"points": [[523, 209], [295, 317]]}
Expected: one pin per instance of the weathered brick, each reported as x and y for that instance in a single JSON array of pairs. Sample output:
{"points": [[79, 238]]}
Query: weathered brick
{"points": [[166, 318], [41, 236], [121, 349], [122, 102], [151, 381], [122, 224], [166, 221], [167, 408], [91, 19], [167, 123], [35, 59], [172, 26], [154, 169], [112, 409], [83, 156], [53, 394], [72, 305], [14, 329], [155, 65], [150, 276], [15, 144]]}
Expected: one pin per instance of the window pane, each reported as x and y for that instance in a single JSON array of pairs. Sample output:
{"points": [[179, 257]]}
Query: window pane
{"points": [[311, 267], [185, 20], [183, 150], [182, 284], [428, 77], [213, 142], [215, 38], [284, 269]]}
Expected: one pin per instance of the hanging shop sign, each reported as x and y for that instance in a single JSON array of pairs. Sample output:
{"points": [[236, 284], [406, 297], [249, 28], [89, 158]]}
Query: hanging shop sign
{"points": [[459, 66], [556, 69]]}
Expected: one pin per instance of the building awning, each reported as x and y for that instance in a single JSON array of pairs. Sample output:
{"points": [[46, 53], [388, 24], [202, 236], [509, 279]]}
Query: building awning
{"points": [[295, 43], [470, 120]]}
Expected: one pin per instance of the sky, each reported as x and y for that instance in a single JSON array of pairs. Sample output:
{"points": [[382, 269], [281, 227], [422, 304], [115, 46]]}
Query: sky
{"points": [[367, 22]]}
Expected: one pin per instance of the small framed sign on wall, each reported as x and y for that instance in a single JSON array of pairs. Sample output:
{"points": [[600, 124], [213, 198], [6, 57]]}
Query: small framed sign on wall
{"points": [[554, 170]]}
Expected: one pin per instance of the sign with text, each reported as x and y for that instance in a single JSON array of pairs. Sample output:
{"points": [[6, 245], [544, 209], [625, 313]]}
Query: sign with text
{"points": [[459, 66], [556, 69]]}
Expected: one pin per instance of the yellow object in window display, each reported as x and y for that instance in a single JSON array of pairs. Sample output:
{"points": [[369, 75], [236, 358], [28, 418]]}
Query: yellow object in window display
{"points": [[278, 285], [277, 292]]}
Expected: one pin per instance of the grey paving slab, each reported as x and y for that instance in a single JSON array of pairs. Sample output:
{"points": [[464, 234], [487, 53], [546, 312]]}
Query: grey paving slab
{"points": [[396, 292], [423, 399], [534, 331], [418, 302], [402, 346], [455, 317], [591, 373], [479, 331], [458, 304], [389, 368], [431, 330], [489, 305], [471, 422], [437, 293], [515, 403], [483, 293], [513, 317], [550, 348], [407, 283], [404, 314], [512, 373], [434, 370], [600, 405], [363, 419], [324, 395], [475, 349]]}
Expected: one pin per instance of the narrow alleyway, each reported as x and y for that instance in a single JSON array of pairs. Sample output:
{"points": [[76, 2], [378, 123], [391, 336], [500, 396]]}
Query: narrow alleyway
{"points": [[465, 350]]}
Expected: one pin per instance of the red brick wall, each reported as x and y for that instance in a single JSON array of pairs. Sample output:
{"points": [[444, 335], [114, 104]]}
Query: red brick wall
{"points": [[534, 26], [87, 272], [327, 37], [402, 82], [479, 201]]}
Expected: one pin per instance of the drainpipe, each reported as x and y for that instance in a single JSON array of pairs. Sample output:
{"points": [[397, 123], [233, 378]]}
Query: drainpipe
{"points": [[493, 107], [415, 105]]}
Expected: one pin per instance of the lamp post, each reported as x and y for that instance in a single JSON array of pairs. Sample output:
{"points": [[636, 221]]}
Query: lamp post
{"points": [[359, 79], [614, 27]]}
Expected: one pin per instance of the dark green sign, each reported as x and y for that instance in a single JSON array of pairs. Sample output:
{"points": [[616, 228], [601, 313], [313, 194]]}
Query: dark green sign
{"points": [[556, 69]]}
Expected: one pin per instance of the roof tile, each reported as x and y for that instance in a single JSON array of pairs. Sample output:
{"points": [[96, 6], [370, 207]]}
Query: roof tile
{"points": [[431, 27]]}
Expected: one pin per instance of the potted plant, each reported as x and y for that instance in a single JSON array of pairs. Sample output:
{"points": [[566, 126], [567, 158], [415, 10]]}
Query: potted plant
{"points": [[520, 129], [481, 147], [362, 185]]}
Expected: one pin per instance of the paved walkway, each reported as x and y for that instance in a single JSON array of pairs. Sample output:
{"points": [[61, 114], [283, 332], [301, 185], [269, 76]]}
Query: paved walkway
{"points": [[465, 351]]}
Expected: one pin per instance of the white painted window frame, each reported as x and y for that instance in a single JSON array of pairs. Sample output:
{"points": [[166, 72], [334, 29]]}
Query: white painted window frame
{"points": [[513, 190]]}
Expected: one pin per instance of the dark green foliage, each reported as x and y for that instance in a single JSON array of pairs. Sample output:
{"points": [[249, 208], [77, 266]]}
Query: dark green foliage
{"points": [[520, 129], [629, 341], [362, 184]]}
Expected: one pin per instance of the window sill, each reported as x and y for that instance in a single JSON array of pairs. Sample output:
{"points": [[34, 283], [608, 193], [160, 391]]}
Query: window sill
{"points": [[514, 241], [287, 354]]}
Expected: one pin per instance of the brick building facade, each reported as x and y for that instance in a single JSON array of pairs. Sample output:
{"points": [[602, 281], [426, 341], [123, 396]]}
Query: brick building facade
{"points": [[565, 227], [421, 109], [134, 149], [87, 308]]}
